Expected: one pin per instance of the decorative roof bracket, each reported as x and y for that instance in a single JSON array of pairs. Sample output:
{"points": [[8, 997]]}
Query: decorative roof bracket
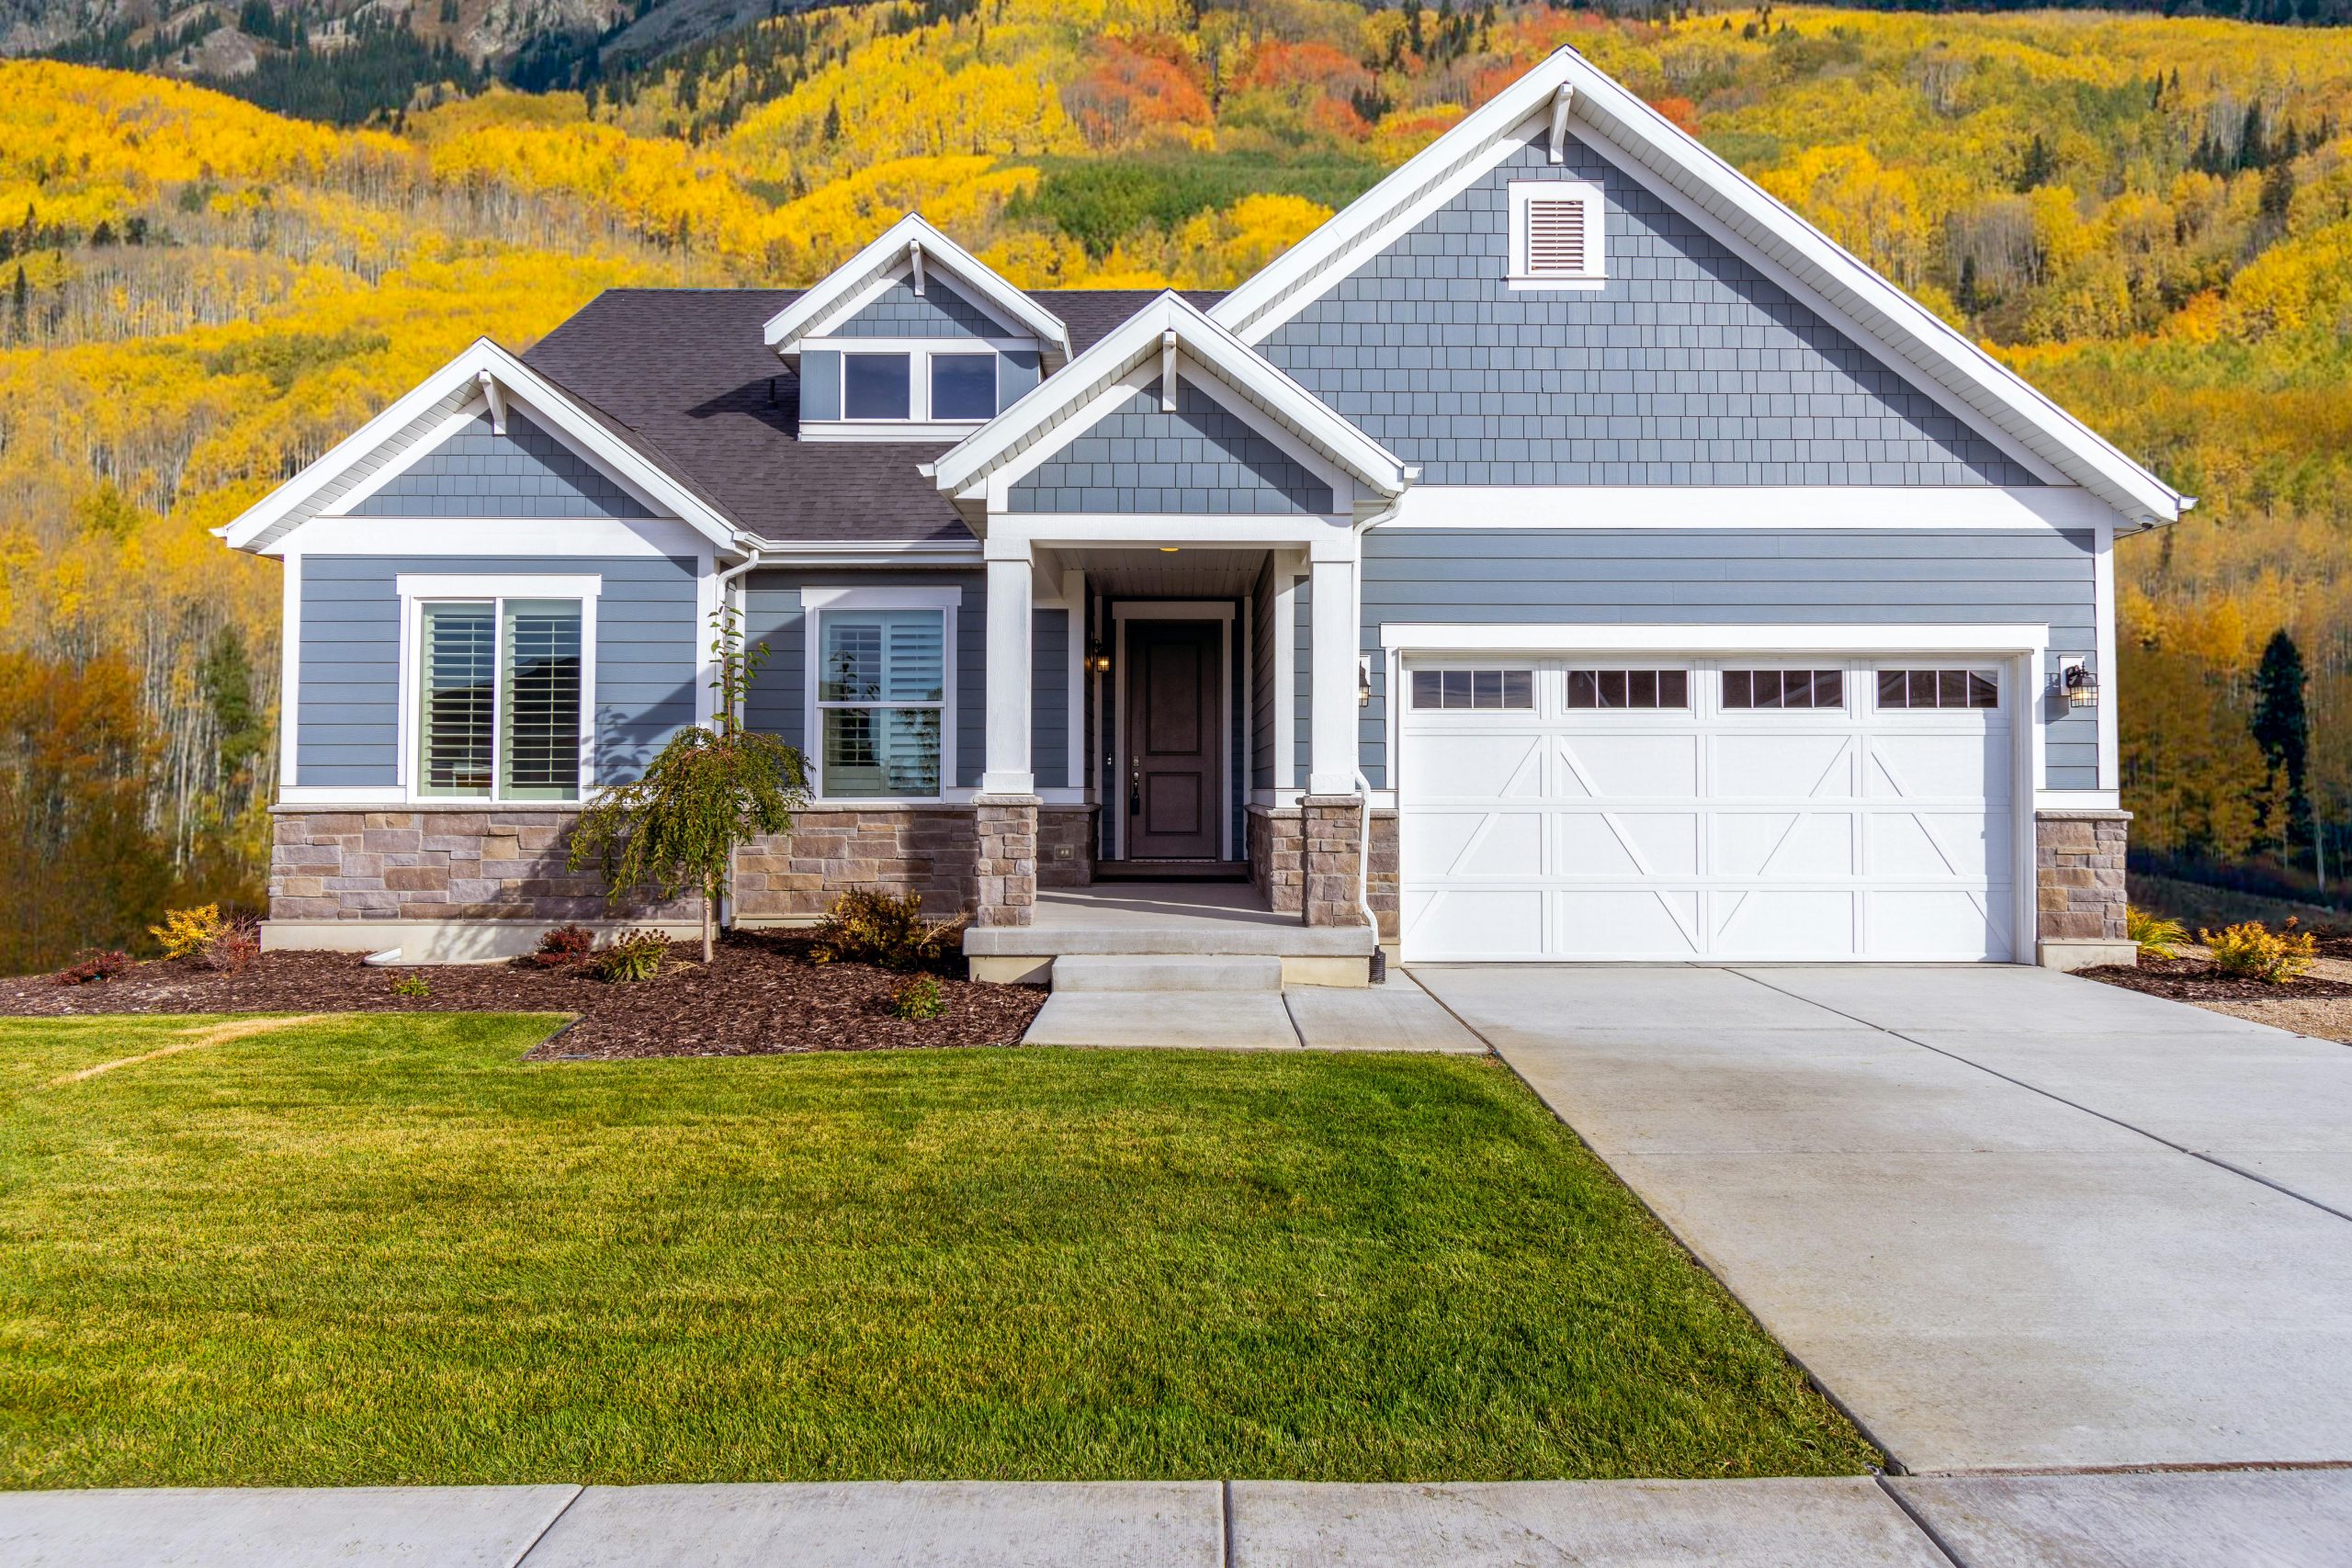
{"points": [[915, 259], [495, 396], [1167, 372], [1561, 100]]}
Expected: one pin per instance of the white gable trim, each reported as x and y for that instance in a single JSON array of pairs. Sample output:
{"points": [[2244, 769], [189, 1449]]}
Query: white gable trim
{"points": [[858, 281], [968, 469], [385, 440], [1676, 164]]}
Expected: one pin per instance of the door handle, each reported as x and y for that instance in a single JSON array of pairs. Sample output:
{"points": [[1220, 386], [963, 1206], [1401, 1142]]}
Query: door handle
{"points": [[1135, 789]]}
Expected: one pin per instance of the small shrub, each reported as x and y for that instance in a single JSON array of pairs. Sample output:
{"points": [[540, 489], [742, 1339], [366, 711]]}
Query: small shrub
{"points": [[2248, 949], [411, 986], [918, 1001], [94, 968], [185, 932], [560, 948], [234, 949], [2156, 937], [867, 925], [632, 955]]}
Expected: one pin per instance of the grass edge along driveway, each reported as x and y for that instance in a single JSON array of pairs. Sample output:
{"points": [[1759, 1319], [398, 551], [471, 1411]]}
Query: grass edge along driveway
{"points": [[383, 1249]]}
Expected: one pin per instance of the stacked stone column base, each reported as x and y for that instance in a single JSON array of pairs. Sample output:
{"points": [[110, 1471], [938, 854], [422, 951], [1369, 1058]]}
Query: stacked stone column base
{"points": [[2079, 888], [1004, 866], [1329, 825]]}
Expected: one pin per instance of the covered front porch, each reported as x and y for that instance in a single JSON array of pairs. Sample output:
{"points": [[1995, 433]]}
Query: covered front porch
{"points": [[1221, 791]]}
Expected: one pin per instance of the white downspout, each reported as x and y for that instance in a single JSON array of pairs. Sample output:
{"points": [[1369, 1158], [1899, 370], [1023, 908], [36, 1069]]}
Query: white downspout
{"points": [[1363, 784]]}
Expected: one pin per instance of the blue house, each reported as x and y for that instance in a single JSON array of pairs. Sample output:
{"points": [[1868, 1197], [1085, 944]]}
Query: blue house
{"points": [[1566, 552]]}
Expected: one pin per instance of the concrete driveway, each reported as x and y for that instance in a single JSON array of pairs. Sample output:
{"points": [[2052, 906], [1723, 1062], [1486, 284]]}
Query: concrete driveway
{"points": [[2007, 1218]]}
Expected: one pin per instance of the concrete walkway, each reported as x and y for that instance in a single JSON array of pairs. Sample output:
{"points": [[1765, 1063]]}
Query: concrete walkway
{"points": [[2281, 1519], [2007, 1218], [1398, 1016]]}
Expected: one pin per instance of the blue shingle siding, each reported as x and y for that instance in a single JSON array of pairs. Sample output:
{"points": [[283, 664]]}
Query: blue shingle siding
{"points": [[648, 649], [778, 700], [1841, 577], [1688, 368], [1201, 459], [937, 311], [525, 473]]}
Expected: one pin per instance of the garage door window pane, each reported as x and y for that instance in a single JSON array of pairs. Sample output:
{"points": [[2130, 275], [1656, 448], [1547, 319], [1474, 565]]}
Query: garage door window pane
{"points": [[1784, 688], [1629, 688], [1474, 688], [1937, 689]]}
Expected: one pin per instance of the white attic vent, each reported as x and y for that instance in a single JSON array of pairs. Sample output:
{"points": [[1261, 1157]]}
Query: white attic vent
{"points": [[1556, 234]]}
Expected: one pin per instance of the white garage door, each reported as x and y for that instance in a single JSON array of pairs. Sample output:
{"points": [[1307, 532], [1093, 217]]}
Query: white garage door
{"points": [[1716, 808]]}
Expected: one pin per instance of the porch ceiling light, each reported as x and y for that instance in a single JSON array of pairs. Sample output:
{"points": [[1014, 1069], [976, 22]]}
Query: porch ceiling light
{"points": [[2081, 687], [1169, 549]]}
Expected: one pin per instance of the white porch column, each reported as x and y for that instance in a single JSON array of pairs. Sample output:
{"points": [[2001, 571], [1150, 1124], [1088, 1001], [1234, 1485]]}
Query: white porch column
{"points": [[1331, 730], [1006, 770]]}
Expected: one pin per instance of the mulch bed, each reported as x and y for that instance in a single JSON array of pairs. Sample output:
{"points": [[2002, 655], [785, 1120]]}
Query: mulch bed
{"points": [[761, 996], [2200, 980]]}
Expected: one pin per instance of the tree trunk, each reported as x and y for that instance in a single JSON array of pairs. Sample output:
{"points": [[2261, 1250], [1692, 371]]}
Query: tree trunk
{"points": [[709, 914]]}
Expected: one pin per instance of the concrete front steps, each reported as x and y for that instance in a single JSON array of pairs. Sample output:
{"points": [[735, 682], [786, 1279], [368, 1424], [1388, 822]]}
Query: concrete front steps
{"points": [[1231, 1001], [1235, 1002]]}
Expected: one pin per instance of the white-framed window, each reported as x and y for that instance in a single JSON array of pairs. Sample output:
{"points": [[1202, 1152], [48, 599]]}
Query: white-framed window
{"points": [[943, 381], [498, 679], [881, 692], [1557, 235]]}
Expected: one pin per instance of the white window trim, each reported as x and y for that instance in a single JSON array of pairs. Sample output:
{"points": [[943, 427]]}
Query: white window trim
{"points": [[1596, 235], [813, 603], [415, 590]]}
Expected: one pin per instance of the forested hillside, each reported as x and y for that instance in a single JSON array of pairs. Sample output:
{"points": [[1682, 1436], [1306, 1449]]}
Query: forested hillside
{"points": [[2151, 216]]}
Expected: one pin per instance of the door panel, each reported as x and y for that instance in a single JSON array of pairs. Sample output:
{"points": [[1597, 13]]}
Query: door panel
{"points": [[1706, 831], [1174, 747]]}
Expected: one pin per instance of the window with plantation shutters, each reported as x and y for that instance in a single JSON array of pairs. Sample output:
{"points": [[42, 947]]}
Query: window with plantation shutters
{"points": [[1556, 239], [458, 705], [499, 698]]}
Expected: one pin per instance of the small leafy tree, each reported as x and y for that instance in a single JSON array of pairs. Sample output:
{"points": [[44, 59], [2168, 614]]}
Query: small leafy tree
{"points": [[707, 791]]}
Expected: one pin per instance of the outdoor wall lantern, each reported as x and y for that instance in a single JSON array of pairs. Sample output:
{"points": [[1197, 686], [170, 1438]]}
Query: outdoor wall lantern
{"points": [[1363, 680], [1098, 659], [2080, 686]]}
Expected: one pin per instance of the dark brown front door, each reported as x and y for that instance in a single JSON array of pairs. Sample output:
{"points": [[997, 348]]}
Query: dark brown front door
{"points": [[1174, 747]]}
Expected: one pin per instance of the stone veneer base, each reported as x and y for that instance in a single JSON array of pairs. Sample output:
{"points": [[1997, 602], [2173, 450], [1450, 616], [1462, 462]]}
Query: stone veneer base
{"points": [[2079, 891]]}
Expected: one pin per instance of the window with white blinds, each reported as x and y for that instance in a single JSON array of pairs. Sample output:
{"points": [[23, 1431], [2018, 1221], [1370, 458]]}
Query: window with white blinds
{"points": [[881, 690], [1557, 233], [498, 689]]}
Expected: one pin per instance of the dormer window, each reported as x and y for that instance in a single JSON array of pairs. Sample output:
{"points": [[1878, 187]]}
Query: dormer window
{"points": [[1556, 240], [864, 388], [878, 386]]}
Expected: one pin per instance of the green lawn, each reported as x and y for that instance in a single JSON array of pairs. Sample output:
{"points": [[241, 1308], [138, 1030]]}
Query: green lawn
{"points": [[384, 1249]]}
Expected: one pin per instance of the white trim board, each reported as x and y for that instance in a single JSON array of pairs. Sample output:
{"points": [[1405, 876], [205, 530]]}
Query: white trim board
{"points": [[1588, 637], [552, 536], [414, 590], [1696, 508]]}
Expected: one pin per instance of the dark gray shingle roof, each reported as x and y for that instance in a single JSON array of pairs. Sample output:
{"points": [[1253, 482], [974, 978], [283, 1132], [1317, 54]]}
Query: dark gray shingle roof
{"points": [[683, 375]]}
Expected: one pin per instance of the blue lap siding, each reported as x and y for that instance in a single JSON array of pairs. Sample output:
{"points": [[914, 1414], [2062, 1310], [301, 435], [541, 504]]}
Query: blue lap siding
{"points": [[778, 703], [648, 648]]}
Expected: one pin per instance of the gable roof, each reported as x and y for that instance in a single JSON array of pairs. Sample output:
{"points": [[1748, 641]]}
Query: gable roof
{"points": [[814, 313], [684, 371], [481, 370], [1035, 420], [1566, 87]]}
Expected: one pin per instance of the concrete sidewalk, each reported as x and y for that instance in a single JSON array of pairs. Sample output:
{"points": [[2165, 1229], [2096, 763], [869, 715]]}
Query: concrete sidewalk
{"points": [[2281, 1519]]}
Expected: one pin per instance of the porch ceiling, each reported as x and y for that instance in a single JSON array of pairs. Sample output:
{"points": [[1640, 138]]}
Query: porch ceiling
{"points": [[1186, 573]]}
